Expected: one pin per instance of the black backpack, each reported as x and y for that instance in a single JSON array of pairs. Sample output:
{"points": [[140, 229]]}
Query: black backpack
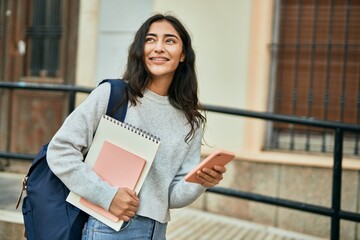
{"points": [[46, 213]]}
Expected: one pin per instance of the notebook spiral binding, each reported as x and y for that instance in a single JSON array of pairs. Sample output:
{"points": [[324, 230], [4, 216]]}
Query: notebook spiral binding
{"points": [[132, 128]]}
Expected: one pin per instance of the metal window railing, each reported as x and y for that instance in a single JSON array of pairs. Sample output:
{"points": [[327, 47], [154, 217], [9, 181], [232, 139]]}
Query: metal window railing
{"points": [[314, 72], [45, 33], [334, 212]]}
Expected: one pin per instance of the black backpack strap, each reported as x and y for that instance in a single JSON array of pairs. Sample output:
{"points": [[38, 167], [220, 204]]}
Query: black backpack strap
{"points": [[118, 88]]}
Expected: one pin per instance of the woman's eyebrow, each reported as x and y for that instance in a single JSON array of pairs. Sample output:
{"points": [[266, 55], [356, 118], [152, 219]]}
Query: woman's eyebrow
{"points": [[166, 35]]}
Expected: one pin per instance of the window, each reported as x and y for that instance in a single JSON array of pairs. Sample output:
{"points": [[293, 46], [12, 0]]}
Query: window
{"points": [[316, 72], [44, 35]]}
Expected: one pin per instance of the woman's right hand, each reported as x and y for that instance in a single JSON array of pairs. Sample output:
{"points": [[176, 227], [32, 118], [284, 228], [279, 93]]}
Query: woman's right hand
{"points": [[125, 204]]}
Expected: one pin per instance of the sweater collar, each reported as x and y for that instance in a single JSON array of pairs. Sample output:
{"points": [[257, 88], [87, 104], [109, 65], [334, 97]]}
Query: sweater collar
{"points": [[148, 94]]}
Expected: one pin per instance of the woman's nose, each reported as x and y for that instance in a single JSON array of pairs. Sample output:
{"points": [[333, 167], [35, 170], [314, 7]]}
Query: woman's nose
{"points": [[159, 47]]}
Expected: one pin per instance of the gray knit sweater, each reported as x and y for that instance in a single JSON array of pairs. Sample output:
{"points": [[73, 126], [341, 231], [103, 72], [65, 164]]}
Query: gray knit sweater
{"points": [[164, 187]]}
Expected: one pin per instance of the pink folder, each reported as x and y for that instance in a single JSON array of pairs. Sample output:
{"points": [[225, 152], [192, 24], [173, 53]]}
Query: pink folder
{"points": [[119, 168]]}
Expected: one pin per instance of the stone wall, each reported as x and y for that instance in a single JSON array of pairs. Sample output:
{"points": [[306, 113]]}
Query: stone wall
{"points": [[311, 185], [11, 231]]}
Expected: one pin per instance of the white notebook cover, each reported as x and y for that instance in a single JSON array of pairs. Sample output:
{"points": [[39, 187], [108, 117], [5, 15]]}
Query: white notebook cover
{"points": [[127, 137]]}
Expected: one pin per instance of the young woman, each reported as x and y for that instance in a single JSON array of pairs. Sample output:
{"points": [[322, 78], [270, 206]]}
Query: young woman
{"points": [[162, 99]]}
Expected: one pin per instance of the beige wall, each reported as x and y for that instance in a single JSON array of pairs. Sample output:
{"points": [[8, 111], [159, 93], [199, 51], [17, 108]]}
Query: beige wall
{"points": [[87, 42], [106, 29], [220, 34], [87, 45]]}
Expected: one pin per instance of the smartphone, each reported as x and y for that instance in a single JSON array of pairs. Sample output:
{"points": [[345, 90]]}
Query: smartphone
{"points": [[219, 157]]}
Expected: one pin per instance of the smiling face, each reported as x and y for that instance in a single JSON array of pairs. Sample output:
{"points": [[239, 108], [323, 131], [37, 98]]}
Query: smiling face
{"points": [[162, 51]]}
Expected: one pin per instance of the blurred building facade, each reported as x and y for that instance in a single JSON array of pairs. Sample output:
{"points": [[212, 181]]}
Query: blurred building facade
{"points": [[285, 56]]}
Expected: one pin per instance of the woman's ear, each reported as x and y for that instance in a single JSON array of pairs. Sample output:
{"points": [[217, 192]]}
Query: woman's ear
{"points": [[182, 57]]}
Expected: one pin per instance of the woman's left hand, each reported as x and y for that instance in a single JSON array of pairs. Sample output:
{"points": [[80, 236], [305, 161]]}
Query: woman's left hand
{"points": [[211, 177]]}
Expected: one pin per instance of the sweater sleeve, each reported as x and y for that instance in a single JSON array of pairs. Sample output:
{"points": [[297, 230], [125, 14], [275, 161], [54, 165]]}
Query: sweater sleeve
{"points": [[70, 143], [184, 193]]}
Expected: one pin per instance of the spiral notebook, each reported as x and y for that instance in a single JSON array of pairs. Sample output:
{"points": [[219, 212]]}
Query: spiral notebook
{"points": [[122, 155], [119, 168]]}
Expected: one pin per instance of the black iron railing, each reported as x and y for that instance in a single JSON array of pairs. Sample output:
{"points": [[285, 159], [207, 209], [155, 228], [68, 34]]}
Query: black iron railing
{"points": [[334, 212]]}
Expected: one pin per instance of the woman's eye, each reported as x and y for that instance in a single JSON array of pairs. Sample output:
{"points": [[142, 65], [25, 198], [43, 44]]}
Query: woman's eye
{"points": [[171, 41], [149, 40]]}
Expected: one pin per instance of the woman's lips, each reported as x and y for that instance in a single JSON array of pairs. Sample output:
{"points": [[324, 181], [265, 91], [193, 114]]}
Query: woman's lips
{"points": [[159, 59]]}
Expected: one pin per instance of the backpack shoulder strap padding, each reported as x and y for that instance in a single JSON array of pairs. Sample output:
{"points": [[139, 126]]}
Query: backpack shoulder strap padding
{"points": [[117, 95]]}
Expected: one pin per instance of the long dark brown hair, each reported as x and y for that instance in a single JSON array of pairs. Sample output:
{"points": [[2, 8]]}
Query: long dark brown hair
{"points": [[183, 91]]}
